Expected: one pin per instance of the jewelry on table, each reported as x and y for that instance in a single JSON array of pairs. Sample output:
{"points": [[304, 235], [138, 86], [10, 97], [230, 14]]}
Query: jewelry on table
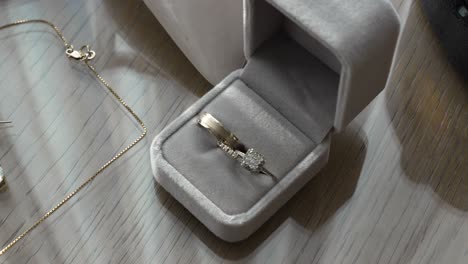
{"points": [[248, 158], [85, 55]]}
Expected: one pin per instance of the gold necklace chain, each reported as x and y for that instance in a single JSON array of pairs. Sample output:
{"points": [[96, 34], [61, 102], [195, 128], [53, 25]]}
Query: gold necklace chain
{"points": [[85, 54]]}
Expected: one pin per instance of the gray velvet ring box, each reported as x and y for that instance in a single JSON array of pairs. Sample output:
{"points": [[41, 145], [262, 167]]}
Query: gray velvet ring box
{"points": [[312, 66]]}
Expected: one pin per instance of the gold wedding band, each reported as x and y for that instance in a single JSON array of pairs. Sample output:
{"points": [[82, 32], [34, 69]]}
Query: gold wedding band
{"points": [[217, 129]]}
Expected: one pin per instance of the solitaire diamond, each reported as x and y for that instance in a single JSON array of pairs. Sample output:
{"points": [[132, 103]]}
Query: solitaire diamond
{"points": [[253, 160]]}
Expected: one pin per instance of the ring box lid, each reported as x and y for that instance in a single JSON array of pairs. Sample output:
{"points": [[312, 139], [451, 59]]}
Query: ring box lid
{"points": [[356, 39]]}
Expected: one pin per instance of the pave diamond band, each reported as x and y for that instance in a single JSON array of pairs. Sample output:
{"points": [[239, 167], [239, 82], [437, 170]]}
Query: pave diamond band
{"points": [[230, 151], [248, 158]]}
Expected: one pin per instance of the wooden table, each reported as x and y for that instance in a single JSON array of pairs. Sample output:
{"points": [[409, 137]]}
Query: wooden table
{"points": [[395, 189]]}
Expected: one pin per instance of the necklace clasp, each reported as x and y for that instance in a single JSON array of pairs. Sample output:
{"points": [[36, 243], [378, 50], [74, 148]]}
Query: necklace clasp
{"points": [[83, 54]]}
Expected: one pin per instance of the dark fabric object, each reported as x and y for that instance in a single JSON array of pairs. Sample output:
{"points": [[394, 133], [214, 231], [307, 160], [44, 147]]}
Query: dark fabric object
{"points": [[451, 29]]}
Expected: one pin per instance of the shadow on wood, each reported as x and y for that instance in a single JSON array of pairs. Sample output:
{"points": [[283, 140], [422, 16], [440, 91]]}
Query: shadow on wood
{"points": [[428, 108]]}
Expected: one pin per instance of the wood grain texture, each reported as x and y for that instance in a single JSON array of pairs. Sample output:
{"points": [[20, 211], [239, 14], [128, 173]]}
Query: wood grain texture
{"points": [[395, 189]]}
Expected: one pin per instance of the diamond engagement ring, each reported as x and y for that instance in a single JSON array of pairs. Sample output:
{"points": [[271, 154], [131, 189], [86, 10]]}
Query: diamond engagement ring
{"points": [[249, 158]]}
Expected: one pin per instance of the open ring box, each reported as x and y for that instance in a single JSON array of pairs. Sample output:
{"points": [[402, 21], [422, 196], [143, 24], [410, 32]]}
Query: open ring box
{"points": [[312, 66]]}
